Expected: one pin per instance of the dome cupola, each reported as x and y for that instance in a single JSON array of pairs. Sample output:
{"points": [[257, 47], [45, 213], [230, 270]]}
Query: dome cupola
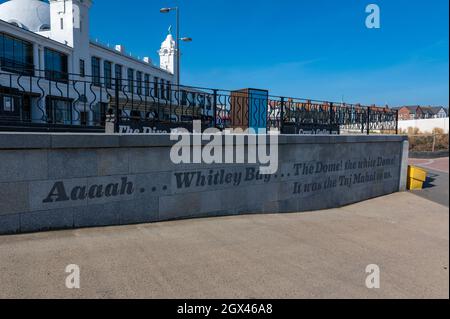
{"points": [[32, 15]]}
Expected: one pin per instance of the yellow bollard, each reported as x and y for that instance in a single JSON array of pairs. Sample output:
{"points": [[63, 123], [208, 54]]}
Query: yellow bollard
{"points": [[416, 177]]}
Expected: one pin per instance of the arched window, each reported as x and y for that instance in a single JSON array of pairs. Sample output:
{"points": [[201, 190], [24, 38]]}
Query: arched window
{"points": [[44, 27], [17, 24]]}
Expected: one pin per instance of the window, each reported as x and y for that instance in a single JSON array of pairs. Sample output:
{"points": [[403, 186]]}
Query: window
{"points": [[99, 113], [8, 103], [82, 68], [44, 27], [96, 71], [118, 72], [147, 85], [155, 87], [13, 107], [139, 82], [16, 55], [59, 111], [55, 65], [131, 80], [107, 69]]}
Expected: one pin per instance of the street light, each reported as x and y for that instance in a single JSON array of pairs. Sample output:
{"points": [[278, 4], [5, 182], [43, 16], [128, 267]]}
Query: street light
{"points": [[185, 39]]}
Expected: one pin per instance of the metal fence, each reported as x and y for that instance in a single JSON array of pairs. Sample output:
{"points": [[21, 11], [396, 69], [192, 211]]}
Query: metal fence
{"points": [[47, 101]]}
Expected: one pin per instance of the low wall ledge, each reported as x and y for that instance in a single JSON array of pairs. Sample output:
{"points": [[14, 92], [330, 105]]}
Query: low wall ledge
{"points": [[71, 140]]}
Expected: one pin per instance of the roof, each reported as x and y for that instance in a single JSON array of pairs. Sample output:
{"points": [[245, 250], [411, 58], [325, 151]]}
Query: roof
{"points": [[412, 109], [126, 56], [433, 109]]}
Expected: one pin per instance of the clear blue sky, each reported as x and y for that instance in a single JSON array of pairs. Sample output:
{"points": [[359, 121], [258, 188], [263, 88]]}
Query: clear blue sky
{"points": [[316, 49]]}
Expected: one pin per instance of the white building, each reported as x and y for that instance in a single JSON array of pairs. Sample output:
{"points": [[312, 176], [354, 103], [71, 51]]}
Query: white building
{"points": [[437, 112], [51, 72]]}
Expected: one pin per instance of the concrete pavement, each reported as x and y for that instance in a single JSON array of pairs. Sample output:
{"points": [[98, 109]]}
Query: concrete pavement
{"points": [[311, 255]]}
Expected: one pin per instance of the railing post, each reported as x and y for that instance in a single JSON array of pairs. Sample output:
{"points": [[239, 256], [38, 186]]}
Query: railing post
{"points": [[331, 118], [368, 120], [361, 114], [215, 108], [116, 117], [282, 115], [396, 122]]}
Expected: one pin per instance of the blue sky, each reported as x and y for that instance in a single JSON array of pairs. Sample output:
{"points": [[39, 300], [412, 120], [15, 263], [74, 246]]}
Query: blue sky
{"points": [[317, 49]]}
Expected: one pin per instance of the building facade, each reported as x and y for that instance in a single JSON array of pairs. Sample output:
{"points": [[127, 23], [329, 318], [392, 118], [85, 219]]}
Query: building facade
{"points": [[51, 72], [435, 112], [409, 113]]}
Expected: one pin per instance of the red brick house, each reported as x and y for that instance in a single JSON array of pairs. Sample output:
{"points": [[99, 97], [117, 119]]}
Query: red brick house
{"points": [[407, 113]]}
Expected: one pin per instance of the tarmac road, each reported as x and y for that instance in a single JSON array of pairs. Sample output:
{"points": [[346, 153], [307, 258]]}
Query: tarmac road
{"points": [[310, 255], [437, 186]]}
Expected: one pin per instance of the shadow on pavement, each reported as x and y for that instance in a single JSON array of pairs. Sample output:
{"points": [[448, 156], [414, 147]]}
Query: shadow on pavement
{"points": [[436, 188], [429, 183]]}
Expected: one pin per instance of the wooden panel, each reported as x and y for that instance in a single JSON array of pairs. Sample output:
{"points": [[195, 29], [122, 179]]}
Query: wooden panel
{"points": [[239, 109]]}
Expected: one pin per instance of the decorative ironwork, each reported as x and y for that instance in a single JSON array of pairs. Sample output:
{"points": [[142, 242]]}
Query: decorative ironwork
{"points": [[41, 102]]}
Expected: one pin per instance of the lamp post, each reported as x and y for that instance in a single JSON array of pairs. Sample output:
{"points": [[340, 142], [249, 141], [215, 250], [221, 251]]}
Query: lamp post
{"points": [[184, 39]]}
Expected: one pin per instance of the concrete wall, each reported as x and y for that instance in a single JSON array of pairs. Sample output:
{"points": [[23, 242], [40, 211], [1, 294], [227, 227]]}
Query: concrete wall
{"points": [[425, 126], [100, 180]]}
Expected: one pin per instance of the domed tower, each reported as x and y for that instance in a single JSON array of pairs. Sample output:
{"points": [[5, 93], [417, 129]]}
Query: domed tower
{"points": [[168, 54], [31, 15], [70, 25]]}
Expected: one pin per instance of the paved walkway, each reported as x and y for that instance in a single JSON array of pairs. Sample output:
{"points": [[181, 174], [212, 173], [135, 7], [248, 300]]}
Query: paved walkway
{"points": [[439, 164], [311, 255]]}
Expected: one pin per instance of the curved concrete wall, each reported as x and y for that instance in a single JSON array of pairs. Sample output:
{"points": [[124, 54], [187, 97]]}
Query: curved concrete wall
{"points": [[59, 181]]}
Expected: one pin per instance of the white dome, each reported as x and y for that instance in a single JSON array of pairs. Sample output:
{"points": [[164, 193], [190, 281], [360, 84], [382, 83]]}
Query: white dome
{"points": [[33, 15]]}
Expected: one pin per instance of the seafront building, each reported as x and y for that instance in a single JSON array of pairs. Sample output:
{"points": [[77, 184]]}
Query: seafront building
{"points": [[52, 72]]}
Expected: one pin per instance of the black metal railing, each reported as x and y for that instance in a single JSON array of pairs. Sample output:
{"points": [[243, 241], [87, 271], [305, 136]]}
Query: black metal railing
{"points": [[46, 101]]}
